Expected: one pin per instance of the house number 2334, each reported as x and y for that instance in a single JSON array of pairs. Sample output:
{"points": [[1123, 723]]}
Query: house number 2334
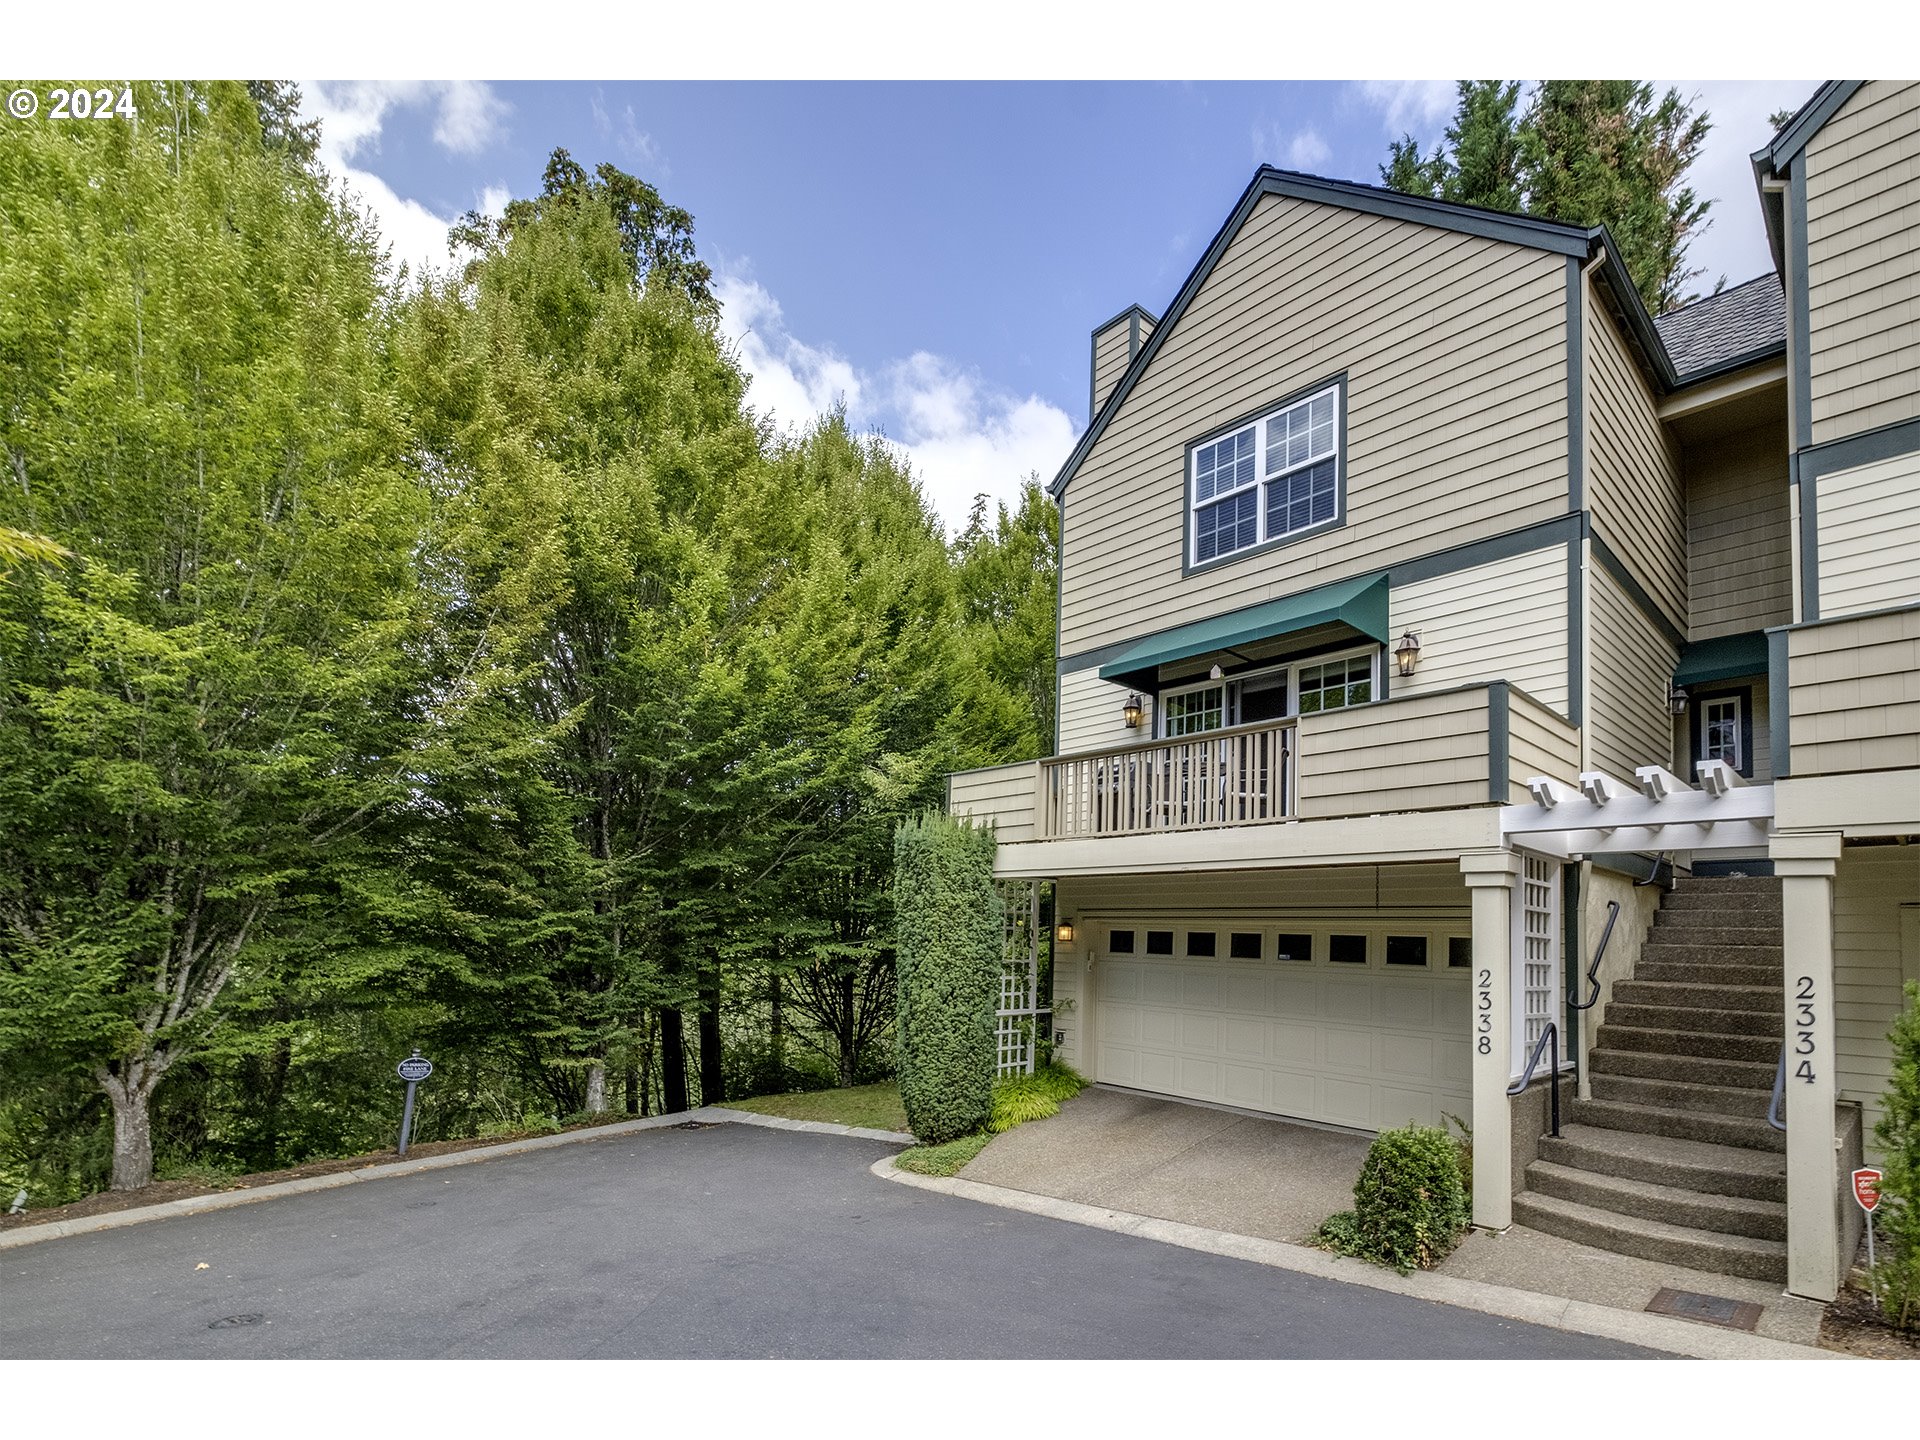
{"points": [[1803, 1044], [1483, 1012]]}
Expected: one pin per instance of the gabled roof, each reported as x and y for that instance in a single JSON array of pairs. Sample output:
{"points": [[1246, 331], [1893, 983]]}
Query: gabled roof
{"points": [[1773, 158], [1561, 239], [1748, 320], [1350, 195]]}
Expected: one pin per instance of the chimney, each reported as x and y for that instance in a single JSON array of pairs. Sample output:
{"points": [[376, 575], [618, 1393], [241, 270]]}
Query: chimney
{"points": [[1114, 346]]}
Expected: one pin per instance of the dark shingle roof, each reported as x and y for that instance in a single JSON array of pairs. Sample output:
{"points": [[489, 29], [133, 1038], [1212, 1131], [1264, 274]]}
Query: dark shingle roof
{"points": [[1747, 318]]}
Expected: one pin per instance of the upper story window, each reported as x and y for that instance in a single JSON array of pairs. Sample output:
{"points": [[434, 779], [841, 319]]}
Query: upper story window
{"points": [[1272, 479]]}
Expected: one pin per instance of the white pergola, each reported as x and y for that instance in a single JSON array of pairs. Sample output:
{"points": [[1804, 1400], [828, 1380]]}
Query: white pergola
{"points": [[1656, 811]]}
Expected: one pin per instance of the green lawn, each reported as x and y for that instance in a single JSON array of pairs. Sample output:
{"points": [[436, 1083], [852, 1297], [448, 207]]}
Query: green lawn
{"points": [[944, 1160], [872, 1107]]}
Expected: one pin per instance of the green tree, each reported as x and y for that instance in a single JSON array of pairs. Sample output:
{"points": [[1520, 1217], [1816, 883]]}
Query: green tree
{"points": [[1897, 1281], [1584, 152], [1008, 577], [199, 720]]}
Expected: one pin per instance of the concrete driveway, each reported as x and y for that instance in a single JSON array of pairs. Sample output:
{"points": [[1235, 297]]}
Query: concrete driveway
{"points": [[1213, 1168], [730, 1240]]}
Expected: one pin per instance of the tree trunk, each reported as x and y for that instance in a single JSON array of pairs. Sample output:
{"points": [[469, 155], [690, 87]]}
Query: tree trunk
{"points": [[646, 1064], [632, 1077], [673, 1062], [131, 1093], [597, 1087], [848, 1047], [777, 1033], [713, 1080]]}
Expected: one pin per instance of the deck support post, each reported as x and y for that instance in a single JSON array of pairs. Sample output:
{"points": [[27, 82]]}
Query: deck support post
{"points": [[1491, 877], [1806, 866]]}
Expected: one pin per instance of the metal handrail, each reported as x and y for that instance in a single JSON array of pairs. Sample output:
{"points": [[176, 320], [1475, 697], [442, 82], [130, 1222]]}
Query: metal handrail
{"points": [[1776, 1113], [1593, 970], [1550, 1041], [1654, 873]]}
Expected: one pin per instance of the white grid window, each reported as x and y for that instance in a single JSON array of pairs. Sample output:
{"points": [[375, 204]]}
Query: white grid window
{"points": [[1720, 731], [1539, 951], [1298, 479]]}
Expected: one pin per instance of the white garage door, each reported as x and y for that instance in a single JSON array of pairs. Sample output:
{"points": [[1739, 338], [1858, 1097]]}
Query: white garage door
{"points": [[1349, 1023]]}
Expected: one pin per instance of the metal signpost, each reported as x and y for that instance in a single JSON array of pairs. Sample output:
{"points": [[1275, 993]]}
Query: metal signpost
{"points": [[1866, 1190], [415, 1068]]}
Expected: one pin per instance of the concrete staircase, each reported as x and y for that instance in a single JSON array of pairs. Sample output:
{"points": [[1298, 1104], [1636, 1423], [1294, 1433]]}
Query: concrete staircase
{"points": [[1672, 1158]]}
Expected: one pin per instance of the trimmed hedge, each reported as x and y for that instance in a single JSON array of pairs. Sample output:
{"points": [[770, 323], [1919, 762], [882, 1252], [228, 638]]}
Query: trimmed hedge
{"points": [[1896, 1278], [947, 917], [1409, 1206]]}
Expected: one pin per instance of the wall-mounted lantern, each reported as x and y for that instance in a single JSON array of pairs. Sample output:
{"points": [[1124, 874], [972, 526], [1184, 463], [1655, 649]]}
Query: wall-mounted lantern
{"points": [[1063, 932], [1407, 652], [1133, 712], [1677, 699]]}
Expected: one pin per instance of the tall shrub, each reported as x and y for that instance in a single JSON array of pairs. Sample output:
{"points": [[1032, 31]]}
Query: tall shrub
{"points": [[947, 915], [1896, 1282]]}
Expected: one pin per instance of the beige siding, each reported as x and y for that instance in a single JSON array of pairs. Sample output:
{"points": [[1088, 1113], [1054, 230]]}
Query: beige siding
{"points": [[1002, 796], [1110, 360], [1539, 742], [1455, 352], [1425, 753], [1502, 621], [1090, 713], [1633, 469], [1869, 532], [1863, 262], [1630, 666], [1871, 887], [1739, 533], [1855, 694]]}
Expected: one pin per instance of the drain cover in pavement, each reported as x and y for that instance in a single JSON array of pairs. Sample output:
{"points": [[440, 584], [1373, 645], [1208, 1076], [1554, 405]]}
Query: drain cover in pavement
{"points": [[1707, 1309], [229, 1322], [694, 1125]]}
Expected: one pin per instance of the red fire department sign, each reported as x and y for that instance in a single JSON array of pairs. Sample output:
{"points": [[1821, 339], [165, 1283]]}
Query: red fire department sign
{"points": [[1866, 1188]]}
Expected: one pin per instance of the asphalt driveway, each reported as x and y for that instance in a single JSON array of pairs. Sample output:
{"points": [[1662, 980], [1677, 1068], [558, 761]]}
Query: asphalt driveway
{"points": [[730, 1241]]}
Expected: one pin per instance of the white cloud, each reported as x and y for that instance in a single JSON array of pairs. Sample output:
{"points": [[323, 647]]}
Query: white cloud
{"points": [[1410, 106], [469, 117], [625, 132], [1308, 150], [961, 435]]}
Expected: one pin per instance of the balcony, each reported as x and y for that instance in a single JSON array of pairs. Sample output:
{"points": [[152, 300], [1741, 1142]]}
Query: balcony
{"points": [[1849, 696], [1449, 749]]}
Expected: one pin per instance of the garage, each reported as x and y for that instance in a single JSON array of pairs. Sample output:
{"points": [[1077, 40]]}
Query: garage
{"points": [[1360, 1023]]}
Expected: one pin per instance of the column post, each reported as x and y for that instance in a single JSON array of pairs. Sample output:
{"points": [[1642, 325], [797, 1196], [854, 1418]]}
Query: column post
{"points": [[1806, 866], [1490, 877]]}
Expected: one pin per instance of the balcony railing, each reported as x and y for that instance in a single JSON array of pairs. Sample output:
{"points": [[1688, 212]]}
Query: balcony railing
{"points": [[1238, 776], [1436, 750]]}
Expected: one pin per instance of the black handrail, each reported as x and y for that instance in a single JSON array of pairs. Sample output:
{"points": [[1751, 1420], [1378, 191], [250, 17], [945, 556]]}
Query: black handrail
{"points": [[1654, 873], [1593, 970], [1775, 1116], [1550, 1040]]}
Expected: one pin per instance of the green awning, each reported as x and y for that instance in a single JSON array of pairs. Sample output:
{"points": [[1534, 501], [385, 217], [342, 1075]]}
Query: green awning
{"points": [[1725, 658], [1359, 604]]}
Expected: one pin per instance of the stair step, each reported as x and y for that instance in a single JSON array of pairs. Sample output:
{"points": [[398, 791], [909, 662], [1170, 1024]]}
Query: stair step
{"points": [[1715, 1128], [1710, 1022], [1721, 1254], [1667, 1160], [1700, 972], [1726, 885], [1683, 1069], [1665, 928], [1687, 953], [1755, 1049], [1750, 905], [1762, 999], [1748, 1103], [1669, 1204]]}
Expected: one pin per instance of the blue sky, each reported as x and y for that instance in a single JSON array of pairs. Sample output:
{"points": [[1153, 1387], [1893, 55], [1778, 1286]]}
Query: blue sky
{"points": [[935, 253]]}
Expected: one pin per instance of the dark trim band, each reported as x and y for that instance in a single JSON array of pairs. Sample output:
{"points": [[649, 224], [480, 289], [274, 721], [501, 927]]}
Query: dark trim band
{"points": [[1499, 733], [1576, 387], [1642, 601]]}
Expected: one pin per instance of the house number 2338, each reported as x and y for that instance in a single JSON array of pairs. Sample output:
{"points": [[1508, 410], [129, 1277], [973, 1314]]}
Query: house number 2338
{"points": [[1483, 1012], [1803, 1044]]}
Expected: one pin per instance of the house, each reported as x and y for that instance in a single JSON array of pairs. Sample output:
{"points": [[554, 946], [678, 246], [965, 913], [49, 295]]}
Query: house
{"points": [[1459, 665]]}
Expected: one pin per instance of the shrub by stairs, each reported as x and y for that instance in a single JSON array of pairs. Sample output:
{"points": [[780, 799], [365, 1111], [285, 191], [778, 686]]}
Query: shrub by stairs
{"points": [[1672, 1159]]}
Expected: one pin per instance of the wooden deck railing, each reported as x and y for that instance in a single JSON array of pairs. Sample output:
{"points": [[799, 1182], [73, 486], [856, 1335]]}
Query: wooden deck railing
{"points": [[1239, 776]]}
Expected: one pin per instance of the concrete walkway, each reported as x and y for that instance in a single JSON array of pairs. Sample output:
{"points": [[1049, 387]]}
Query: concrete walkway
{"points": [[1232, 1183]]}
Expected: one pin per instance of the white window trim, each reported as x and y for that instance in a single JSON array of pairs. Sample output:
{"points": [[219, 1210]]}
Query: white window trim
{"points": [[1262, 481], [1738, 702], [1230, 708]]}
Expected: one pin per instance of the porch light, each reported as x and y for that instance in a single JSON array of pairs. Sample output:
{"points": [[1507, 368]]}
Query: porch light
{"points": [[1407, 652], [1677, 699], [1063, 932], [1132, 712]]}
